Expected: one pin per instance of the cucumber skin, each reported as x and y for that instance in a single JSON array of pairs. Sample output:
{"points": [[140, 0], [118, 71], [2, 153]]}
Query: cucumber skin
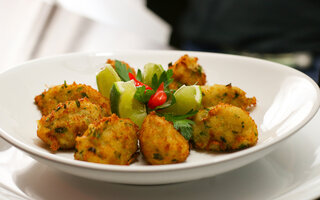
{"points": [[114, 99]]}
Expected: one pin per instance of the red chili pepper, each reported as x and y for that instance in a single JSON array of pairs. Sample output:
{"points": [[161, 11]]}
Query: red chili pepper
{"points": [[138, 83], [158, 98]]}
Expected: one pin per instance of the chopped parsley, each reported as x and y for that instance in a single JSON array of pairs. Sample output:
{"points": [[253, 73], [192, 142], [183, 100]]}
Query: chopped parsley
{"points": [[60, 129], [117, 154], [58, 109], [92, 149], [203, 133], [234, 132], [65, 84], [83, 94], [200, 69], [206, 126], [243, 146], [78, 103], [236, 95], [157, 156]]}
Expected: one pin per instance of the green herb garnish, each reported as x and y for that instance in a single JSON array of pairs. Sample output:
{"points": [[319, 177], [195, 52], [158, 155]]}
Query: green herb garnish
{"points": [[236, 95], [142, 94], [78, 103], [182, 124], [60, 129], [234, 132], [243, 146], [122, 70], [200, 69], [83, 94], [58, 109], [157, 156], [165, 77], [139, 75], [92, 149]]}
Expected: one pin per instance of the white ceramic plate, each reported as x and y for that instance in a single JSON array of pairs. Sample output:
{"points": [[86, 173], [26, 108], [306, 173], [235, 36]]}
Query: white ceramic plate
{"points": [[287, 100], [290, 172]]}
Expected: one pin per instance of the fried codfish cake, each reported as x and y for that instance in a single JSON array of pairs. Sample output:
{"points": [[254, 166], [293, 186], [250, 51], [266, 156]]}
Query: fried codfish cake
{"points": [[213, 95], [111, 140], [223, 128], [113, 64], [48, 100], [60, 128], [187, 71], [161, 143]]}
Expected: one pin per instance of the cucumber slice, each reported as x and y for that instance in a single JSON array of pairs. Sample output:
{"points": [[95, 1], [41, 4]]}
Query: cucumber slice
{"points": [[105, 80], [149, 70], [124, 104]]}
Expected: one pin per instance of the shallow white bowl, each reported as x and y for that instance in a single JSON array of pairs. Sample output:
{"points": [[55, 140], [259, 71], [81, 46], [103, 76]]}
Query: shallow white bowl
{"points": [[286, 100]]}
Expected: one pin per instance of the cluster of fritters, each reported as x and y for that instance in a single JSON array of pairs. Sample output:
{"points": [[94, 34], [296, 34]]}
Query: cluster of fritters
{"points": [[76, 116]]}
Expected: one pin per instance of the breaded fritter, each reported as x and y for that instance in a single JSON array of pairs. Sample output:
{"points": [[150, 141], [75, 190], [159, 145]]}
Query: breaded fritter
{"points": [[213, 95], [161, 143], [60, 128], [112, 140], [112, 63], [48, 100], [223, 128], [187, 71]]}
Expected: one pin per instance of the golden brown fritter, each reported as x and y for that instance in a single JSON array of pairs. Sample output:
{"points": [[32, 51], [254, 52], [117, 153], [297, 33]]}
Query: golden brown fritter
{"points": [[161, 143], [112, 63], [213, 95], [223, 128], [48, 100], [112, 140], [60, 128], [187, 71]]}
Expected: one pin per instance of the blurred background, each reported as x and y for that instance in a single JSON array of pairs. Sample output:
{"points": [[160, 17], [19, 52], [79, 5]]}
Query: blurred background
{"points": [[283, 31]]}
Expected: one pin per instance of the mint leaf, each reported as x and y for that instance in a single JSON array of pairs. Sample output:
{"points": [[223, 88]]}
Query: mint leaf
{"points": [[122, 70]]}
